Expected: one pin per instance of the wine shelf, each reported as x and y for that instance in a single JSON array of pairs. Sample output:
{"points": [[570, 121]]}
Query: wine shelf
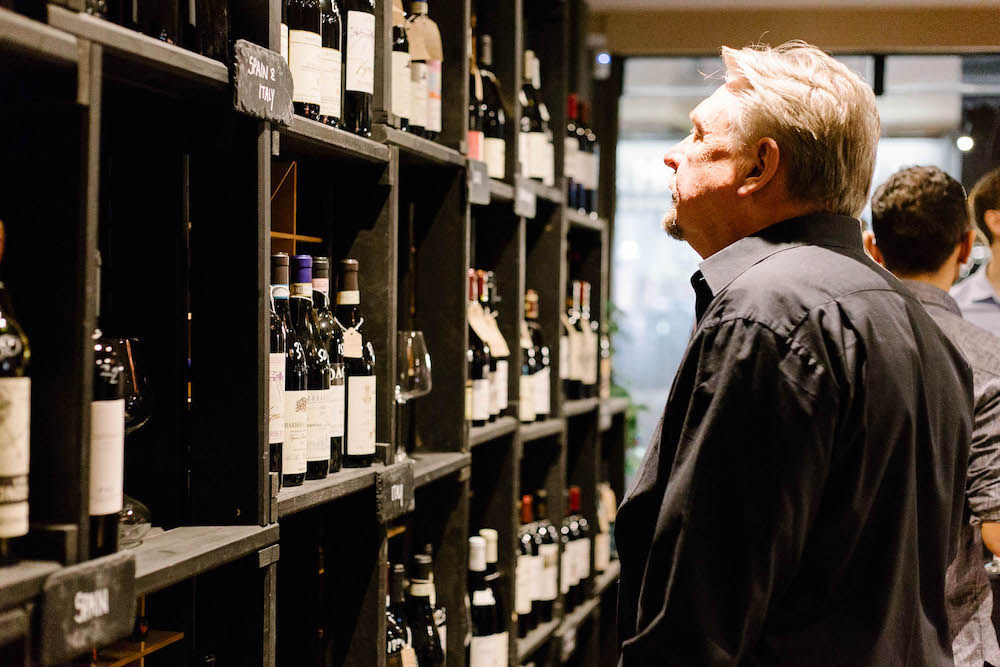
{"points": [[584, 221], [430, 467], [580, 406], [141, 59], [501, 192], [312, 492], [605, 579], [416, 150], [168, 557], [544, 192], [23, 581], [610, 408], [127, 652], [543, 429], [37, 41], [501, 427], [535, 639], [308, 138], [565, 634]]}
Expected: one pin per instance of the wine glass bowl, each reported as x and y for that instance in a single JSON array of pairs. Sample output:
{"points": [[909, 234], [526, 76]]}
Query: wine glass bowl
{"points": [[413, 366]]}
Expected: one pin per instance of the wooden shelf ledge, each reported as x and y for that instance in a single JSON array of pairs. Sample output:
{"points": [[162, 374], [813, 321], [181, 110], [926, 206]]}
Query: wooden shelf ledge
{"points": [[535, 639], [27, 37], [138, 57], [417, 150], [544, 192], [171, 556], [566, 633], [312, 492], [500, 192], [584, 221], [433, 466], [309, 138], [479, 435], [580, 406], [612, 406], [608, 577], [542, 429], [24, 580]]}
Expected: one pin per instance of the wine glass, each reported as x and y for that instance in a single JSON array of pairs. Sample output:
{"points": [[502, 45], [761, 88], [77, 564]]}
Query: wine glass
{"points": [[413, 379], [135, 519]]}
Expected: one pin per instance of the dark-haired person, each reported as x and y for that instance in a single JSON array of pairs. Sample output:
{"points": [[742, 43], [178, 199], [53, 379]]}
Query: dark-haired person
{"points": [[977, 295], [921, 232]]}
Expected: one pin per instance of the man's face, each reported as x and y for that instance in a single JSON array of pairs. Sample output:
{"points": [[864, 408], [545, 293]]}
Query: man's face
{"points": [[706, 171]]}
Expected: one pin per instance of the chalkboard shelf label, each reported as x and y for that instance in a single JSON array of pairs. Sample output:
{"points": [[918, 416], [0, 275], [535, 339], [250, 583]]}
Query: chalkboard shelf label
{"points": [[262, 83]]}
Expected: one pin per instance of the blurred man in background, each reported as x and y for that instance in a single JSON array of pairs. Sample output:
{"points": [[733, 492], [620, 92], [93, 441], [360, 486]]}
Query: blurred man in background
{"points": [[977, 296], [801, 499], [921, 232]]}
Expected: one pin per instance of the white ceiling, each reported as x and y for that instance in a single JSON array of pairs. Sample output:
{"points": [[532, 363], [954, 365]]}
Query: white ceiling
{"points": [[664, 5]]}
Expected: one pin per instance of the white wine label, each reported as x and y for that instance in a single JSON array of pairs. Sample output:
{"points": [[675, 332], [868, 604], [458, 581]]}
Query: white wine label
{"points": [[442, 628], [589, 358], [302, 290], [349, 298], [522, 584], [293, 450], [564, 357], [322, 284], [361, 52], [15, 420], [276, 397], [602, 551], [576, 574], [329, 99], [361, 415], [583, 570], [304, 61], [501, 381], [284, 41], [526, 401], [502, 647], [107, 456], [537, 571], [352, 343], [434, 95], [571, 158], [481, 653], [279, 291], [566, 568], [480, 399], [468, 400], [401, 84], [549, 554], [538, 153], [498, 344], [418, 93], [542, 391], [495, 156], [337, 406], [524, 154], [494, 394], [408, 656], [319, 424]]}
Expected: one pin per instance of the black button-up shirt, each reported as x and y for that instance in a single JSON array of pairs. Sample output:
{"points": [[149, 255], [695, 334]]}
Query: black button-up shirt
{"points": [[800, 501]]}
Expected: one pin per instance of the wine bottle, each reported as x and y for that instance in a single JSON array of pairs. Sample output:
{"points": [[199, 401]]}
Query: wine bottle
{"points": [[359, 63], [479, 367], [542, 377], [319, 417], [571, 153], [331, 340], [293, 450], [440, 613], [536, 134], [529, 366], [427, 641], [494, 117], [430, 56], [548, 550], [590, 147], [493, 397], [283, 34], [580, 529], [418, 74], [474, 132], [567, 568], [107, 448], [591, 330], [331, 82], [502, 369], [359, 372], [15, 421], [526, 572], [605, 366], [484, 613], [399, 638], [400, 66], [576, 349], [276, 380], [304, 44], [493, 580]]}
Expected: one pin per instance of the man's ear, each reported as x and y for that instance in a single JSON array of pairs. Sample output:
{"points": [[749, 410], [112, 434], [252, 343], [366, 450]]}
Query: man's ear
{"points": [[992, 219], [761, 168], [965, 246], [868, 237]]}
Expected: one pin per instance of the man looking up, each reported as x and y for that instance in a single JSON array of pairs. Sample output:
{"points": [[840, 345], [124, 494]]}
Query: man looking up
{"points": [[977, 296], [817, 408], [921, 232]]}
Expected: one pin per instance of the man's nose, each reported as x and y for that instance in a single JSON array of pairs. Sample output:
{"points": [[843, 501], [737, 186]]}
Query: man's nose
{"points": [[672, 158]]}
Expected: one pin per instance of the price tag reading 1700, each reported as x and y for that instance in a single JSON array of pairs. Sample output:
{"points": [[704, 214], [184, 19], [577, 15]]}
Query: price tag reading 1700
{"points": [[262, 83]]}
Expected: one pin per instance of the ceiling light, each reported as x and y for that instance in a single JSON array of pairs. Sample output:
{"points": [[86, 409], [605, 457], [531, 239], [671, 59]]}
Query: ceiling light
{"points": [[965, 143]]}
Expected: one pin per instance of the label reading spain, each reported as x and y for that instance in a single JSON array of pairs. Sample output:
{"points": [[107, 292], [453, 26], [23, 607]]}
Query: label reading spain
{"points": [[262, 83], [92, 604]]}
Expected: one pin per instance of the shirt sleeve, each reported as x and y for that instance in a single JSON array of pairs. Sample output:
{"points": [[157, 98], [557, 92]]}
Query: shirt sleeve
{"points": [[983, 487], [748, 472]]}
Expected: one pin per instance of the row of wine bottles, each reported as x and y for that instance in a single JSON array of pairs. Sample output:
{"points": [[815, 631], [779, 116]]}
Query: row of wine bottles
{"points": [[581, 159], [487, 353], [321, 381], [416, 625], [581, 348]]}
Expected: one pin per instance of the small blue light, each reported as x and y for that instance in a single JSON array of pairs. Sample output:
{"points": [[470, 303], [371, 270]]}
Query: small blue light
{"points": [[604, 58]]}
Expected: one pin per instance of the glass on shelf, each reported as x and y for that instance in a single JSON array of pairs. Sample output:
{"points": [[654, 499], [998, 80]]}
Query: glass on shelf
{"points": [[413, 380]]}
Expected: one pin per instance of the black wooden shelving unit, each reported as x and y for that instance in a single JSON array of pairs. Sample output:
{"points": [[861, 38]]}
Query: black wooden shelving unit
{"points": [[129, 146]]}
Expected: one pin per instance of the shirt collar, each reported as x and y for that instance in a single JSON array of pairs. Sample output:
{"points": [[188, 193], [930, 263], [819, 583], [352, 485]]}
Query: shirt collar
{"points": [[929, 295], [979, 288], [822, 229]]}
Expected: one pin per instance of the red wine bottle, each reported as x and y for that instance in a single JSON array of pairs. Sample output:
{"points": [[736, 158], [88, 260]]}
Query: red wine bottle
{"points": [[359, 372], [359, 65], [304, 44], [331, 86], [276, 375], [107, 448], [293, 451]]}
